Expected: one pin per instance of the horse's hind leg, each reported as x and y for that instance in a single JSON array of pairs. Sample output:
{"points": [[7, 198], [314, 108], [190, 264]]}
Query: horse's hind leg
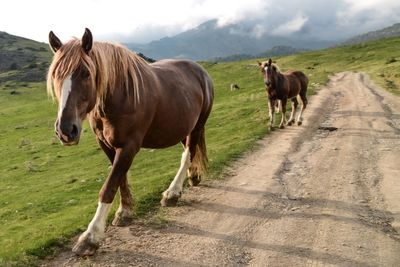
{"points": [[304, 102], [295, 103], [174, 191], [194, 162]]}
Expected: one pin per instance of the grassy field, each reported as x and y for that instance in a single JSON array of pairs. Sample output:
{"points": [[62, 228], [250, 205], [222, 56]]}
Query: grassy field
{"points": [[48, 193]]}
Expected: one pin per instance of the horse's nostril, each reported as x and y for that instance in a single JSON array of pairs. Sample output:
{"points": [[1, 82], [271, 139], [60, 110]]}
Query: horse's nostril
{"points": [[74, 131]]}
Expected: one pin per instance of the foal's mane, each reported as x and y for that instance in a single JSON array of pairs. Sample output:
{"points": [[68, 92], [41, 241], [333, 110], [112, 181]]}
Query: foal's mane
{"points": [[111, 67], [278, 70]]}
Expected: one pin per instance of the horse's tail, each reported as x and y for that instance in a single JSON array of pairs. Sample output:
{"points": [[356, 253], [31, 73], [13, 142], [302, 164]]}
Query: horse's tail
{"points": [[199, 164], [304, 82], [200, 160]]}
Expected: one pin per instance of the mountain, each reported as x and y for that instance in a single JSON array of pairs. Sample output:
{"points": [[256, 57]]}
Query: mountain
{"points": [[391, 31], [23, 59], [209, 41]]}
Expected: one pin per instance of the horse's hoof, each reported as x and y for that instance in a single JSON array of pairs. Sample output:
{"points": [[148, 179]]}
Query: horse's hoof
{"points": [[85, 248], [290, 123], [169, 202], [122, 219], [282, 127], [194, 180], [299, 123]]}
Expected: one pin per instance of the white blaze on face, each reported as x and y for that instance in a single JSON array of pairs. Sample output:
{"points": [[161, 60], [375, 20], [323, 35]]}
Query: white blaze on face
{"points": [[65, 91], [266, 73]]}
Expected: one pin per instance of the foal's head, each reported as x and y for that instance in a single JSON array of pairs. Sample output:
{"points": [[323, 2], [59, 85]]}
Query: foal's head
{"points": [[71, 79], [269, 71]]}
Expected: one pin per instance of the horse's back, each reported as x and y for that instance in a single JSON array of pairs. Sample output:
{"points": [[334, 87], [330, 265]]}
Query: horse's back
{"points": [[186, 76], [300, 77]]}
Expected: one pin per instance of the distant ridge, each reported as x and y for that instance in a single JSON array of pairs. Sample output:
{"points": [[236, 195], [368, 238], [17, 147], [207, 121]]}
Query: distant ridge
{"points": [[209, 41], [273, 52], [391, 31]]}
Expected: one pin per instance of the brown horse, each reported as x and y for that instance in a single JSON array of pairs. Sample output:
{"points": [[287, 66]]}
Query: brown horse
{"points": [[284, 86], [130, 104]]}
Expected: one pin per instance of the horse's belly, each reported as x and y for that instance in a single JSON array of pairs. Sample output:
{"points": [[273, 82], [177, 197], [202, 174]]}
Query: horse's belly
{"points": [[163, 139], [162, 135]]}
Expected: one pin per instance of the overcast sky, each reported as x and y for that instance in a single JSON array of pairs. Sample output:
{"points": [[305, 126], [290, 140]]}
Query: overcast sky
{"points": [[146, 20]]}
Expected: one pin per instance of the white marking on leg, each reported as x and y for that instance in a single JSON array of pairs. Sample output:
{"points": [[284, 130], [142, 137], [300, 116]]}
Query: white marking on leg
{"points": [[279, 104], [271, 107], [293, 114], [300, 118], [95, 230], [283, 120], [175, 188]]}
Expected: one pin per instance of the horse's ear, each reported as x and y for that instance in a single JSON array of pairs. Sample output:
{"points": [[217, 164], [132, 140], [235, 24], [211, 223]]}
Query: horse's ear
{"points": [[269, 61], [87, 41], [259, 63], [55, 43]]}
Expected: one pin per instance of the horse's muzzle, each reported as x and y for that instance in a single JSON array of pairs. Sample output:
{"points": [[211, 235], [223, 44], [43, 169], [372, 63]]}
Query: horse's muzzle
{"points": [[68, 133]]}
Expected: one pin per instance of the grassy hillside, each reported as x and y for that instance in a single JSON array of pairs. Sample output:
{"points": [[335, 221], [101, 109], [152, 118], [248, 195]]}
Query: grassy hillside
{"points": [[48, 193], [22, 59], [392, 31]]}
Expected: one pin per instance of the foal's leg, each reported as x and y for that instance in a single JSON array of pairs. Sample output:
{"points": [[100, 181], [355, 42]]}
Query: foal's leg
{"points": [[271, 108], [174, 191], [278, 106], [293, 113], [89, 241], [283, 120], [304, 102]]}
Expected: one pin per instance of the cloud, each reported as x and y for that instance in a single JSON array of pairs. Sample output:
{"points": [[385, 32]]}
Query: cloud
{"points": [[143, 21], [292, 26]]}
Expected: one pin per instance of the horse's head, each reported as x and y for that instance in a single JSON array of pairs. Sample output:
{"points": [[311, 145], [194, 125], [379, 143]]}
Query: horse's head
{"points": [[269, 71], [71, 79]]}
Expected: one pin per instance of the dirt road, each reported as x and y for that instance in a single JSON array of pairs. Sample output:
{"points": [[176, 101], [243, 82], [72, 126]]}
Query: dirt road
{"points": [[323, 194]]}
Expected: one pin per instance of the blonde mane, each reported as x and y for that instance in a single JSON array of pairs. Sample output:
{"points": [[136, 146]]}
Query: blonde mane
{"points": [[111, 67], [278, 70]]}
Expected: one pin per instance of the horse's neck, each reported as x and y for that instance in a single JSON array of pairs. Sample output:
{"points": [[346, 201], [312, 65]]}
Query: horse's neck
{"points": [[277, 83]]}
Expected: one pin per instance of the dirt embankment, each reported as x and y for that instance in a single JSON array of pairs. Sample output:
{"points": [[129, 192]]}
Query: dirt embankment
{"points": [[323, 194]]}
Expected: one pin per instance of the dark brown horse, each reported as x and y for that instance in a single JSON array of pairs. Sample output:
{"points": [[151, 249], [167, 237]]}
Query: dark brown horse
{"points": [[284, 86], [130, 104]]}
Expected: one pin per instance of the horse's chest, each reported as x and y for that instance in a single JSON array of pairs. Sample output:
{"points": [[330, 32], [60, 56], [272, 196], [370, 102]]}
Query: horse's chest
{"points": [[104, 131], [274, 94]]}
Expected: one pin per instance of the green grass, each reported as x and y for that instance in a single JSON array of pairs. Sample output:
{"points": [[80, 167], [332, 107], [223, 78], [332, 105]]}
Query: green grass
{"points": [[48, 193]]}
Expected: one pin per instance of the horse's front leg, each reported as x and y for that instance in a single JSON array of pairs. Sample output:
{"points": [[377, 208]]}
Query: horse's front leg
{"points": [[283, 120], [124, 214], [89, 241], [271, 108]]}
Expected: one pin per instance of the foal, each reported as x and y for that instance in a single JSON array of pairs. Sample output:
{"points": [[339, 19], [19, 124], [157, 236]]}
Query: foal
{"points": [[284, 86]]}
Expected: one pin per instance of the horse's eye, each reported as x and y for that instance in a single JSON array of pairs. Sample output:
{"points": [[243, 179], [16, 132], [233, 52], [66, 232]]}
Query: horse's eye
{"points": [[85, 74]]}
